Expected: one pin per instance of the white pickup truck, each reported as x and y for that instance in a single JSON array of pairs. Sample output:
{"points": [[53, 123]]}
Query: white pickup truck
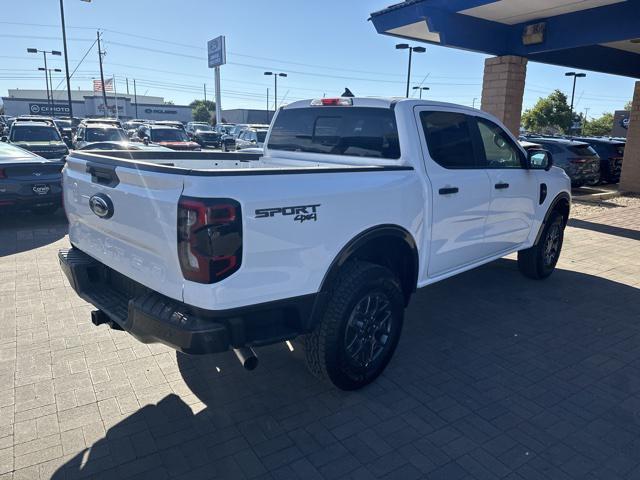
{"points": [[355, 203]]}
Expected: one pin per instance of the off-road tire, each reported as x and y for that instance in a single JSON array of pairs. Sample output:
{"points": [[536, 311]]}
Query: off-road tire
{"points": [[325, 346], [531, 262]]}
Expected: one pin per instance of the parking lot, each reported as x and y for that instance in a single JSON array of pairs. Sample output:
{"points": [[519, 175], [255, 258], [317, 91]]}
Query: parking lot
{"points": [[520, 380]]}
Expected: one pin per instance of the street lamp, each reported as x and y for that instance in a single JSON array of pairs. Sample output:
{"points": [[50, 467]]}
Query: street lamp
{"points": [[45, 69], [66, 56], [275, 88], [405, 46], [573, 92], [421, 89]]}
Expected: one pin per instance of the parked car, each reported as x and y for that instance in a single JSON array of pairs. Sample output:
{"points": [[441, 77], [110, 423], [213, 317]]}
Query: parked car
{"points": [[98, 132], [170, 137], [355, 204], [224, 128], [577, 159], [207, 138], [193, 126], [38, 136], [133, 124], [28, 181], [251, 137], [611, 153]]}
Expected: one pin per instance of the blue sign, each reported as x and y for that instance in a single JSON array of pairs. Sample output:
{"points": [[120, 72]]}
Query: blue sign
{"points": [[217, 51], [46, 109]]}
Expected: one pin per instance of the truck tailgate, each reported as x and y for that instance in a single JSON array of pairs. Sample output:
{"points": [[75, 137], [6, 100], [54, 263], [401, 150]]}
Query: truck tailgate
{"points": [[126, 218]]}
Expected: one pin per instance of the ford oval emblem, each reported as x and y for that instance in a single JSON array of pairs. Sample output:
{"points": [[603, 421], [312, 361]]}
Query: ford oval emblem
{"points": [[101, 205]]}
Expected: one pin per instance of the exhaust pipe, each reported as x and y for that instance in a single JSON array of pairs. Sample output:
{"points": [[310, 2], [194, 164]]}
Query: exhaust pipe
{"points": [[248, 358]]}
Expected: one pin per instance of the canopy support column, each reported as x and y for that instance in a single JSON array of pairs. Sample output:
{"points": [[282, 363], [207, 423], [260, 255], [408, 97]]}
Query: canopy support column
{"points": [[503, 89], [630, 177]]}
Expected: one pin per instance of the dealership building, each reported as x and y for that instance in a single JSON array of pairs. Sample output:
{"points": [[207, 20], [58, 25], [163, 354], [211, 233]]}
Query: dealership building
{"points": [[88, 104]]}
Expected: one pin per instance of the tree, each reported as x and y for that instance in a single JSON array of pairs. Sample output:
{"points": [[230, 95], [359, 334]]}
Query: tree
{"points": [[549, 115], [599, 127], [627, 106], [202, 110], [201, 114]]}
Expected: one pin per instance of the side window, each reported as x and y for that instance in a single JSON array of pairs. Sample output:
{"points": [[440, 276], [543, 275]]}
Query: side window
{"points": [[448, 136], [498, 148]]}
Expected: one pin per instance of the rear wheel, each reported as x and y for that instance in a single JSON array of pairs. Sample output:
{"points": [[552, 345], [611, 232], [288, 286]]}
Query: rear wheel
{"points": [[360, 327], [539, 261]]}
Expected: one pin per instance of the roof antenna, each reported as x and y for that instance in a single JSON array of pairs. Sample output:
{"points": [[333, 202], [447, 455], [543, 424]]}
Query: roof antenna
{"points": [[347, 93]]}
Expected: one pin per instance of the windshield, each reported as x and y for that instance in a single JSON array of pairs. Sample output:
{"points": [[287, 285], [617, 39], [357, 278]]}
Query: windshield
{"points": [[105, 135], [225, 128], [168, 135], [351, 131], [34, 133], [63, 123], [203, 127]]}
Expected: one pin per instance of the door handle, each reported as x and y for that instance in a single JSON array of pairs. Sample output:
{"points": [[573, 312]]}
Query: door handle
{"points": [[501, 186], [448, 190]]}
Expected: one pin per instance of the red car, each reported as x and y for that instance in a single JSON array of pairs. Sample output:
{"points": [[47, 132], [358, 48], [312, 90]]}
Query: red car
{"points": [[170, 137]]}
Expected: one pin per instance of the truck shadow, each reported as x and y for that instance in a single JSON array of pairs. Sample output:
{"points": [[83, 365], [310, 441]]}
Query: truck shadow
{"points": [[23, 231], [485, 341]]}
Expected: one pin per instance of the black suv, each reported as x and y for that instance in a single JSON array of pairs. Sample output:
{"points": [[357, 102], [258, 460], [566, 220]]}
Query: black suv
{"points": [[38, 136], [610, 152]]}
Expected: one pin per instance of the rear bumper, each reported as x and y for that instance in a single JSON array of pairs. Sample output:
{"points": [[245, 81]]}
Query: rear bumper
{"points": [[151, 317], [25, 202]]}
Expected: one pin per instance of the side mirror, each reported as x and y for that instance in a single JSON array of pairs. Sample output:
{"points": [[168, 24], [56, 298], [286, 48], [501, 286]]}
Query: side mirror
{"points": [[540, 160], [145, 140], [254, 141]]}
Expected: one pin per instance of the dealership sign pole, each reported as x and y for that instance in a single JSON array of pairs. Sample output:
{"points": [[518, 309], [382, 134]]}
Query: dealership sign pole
{"points": [[217, 55]]}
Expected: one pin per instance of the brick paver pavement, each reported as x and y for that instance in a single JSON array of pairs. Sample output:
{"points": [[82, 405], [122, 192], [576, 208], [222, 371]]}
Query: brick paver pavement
{"points": [[496, 376]]}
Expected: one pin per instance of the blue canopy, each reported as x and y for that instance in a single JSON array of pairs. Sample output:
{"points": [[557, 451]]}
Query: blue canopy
{"points": [[598, 35]]}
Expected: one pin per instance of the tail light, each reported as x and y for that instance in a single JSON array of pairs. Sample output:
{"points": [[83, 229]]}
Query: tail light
{"points": [[341, 101], [209, 238]]}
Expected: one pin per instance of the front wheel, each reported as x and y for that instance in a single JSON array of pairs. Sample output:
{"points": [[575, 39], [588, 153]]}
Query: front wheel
{"points": [[539, 261], [360, 327]]}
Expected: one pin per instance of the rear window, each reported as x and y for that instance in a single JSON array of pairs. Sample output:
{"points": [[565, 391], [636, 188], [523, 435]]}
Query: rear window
{"points": [[583, 150], [262, 134], [34, 133], [350, 131]]}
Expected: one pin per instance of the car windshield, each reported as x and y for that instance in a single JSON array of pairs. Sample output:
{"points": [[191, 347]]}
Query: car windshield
{"points": [[225, 129], [34, 133], [105, 135], [262, 134], [63, 123], [203, 127], [168, 135], [11, 152]]}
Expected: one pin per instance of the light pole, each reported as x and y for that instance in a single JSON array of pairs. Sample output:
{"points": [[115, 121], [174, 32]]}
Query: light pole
{"points": [[66, 56], [421, 90], [275, 88], [44, 53], [47, 79], [405, 46], [573, 91]]}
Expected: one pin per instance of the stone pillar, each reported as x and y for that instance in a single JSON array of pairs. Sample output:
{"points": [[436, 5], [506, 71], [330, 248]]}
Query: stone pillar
{"points": [[630, 177], [503, 89]]}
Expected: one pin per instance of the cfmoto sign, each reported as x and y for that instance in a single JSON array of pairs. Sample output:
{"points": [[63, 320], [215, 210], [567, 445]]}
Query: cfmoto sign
{"points": [[46, 109]]}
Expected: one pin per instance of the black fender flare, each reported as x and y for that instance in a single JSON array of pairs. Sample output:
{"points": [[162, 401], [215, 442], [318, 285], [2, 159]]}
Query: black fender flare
{"points": [[561, 197]]}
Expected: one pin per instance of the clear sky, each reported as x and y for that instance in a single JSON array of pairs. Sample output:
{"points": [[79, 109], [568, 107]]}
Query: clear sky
{"points": [[324, 46]]}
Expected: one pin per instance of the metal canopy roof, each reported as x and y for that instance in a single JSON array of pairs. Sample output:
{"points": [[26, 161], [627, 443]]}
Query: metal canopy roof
{"points": [[599, 35]]}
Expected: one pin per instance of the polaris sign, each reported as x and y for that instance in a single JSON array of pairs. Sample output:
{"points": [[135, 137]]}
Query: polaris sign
{"points": [[46, 109]]}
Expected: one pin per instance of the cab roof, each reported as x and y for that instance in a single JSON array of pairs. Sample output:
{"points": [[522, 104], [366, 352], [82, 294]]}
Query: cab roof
{"points": [[383, 102]]}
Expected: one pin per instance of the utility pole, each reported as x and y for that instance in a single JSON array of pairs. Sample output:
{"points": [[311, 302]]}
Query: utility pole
{"points": [[135, 96], [66, 59], [586, 112], [268, 120], [127, 79], [205, 93], [104, 91]]}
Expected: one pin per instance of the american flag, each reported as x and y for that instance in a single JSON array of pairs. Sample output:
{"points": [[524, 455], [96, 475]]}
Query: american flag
{"points": [[108, 85]]}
